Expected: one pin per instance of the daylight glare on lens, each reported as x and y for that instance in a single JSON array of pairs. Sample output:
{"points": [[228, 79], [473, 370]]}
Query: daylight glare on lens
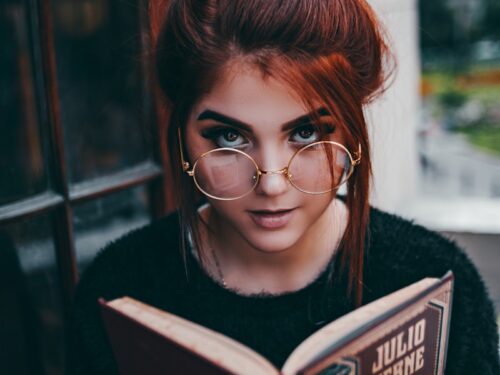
{"points": [[225, 174], [319, 168]]}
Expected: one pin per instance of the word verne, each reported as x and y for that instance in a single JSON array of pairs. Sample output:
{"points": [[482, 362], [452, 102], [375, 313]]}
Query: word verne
{"points": [[402, 354]]}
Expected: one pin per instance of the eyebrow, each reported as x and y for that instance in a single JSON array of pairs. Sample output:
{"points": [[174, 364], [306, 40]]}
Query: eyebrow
{"points": [[301, 120]]}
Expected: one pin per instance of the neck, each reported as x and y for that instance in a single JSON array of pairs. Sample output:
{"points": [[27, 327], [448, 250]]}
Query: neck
{"points": [[252, 270]]}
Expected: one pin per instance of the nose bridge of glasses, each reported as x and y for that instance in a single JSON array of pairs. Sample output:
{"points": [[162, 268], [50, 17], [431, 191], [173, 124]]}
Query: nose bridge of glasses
{"points": [[270, 185], [272, 159], [283, 171]]}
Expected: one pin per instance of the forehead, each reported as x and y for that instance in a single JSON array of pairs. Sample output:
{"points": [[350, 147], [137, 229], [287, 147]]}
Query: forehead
{"points": [[245, 94]]}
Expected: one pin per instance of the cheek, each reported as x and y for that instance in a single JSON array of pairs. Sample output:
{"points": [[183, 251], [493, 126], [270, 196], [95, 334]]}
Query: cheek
{"points": [[229, 211], [314, 205]]}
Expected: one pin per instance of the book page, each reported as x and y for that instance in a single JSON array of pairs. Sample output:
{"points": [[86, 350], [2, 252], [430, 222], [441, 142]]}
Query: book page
{"points": [[346, 324], [220, 349]]}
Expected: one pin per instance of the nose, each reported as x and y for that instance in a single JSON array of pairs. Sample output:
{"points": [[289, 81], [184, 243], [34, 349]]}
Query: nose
{"points": [[272, 183]]}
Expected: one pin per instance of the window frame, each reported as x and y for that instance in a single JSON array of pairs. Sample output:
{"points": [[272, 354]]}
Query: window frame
{"points": [[58, 201]]}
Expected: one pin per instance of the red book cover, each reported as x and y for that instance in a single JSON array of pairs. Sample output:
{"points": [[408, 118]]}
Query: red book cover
{"points": [[139, 350]]}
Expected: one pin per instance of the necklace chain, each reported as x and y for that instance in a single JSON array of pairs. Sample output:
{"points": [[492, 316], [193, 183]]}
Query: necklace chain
{"points": [[219, 270]]}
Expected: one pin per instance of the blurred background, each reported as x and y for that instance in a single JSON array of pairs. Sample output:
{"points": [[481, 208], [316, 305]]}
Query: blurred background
{"points": [[82, 157]]}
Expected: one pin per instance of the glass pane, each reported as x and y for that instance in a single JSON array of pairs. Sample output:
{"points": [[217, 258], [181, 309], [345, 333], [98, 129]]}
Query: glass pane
{"points": [[102, 220], [460, 131], [100, 83], [31, 322], [22, 171]]}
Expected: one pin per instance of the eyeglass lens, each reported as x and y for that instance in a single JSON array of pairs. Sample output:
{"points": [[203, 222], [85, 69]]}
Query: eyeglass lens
{"points": [[229, 174]]}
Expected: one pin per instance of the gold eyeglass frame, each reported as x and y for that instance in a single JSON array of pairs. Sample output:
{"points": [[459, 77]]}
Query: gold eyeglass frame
{"points": [[284, 171]]}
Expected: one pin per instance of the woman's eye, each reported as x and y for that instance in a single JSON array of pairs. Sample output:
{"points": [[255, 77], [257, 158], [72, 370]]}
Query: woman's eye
{"points": [[225, 137], [305, 134]]}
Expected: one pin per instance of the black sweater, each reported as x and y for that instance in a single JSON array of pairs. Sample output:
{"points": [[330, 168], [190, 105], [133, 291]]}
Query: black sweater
{"points": [[147, 265]]}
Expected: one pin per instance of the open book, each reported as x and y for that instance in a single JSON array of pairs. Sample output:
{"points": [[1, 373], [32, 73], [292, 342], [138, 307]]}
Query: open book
{"points": [[405, 332]]}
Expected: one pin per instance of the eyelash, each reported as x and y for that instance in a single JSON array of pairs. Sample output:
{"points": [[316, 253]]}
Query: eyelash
{"points": [[215, 132]]}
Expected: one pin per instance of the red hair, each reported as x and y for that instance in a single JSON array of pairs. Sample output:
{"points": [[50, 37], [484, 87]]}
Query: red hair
{"points": [[330, 52]]}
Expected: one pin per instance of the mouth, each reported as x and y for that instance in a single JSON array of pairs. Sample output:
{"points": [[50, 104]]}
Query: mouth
{"points": [[271, 219]]}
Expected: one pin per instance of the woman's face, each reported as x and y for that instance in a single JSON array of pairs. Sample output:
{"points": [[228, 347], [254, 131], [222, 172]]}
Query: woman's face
{"points": [[255, 115]]}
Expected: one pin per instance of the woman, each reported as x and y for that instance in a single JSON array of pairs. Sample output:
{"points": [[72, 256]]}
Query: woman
{"points": [[266, 104]]}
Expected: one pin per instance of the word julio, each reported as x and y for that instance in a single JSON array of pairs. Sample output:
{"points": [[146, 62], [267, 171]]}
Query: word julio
{"points": [[402, 354]]}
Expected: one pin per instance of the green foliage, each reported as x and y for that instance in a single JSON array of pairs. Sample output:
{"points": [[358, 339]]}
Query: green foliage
{"points": [[436, 24], [444, 81], [489, 27], [484, 137], [452, 99], [454, 84], [442, 29]]}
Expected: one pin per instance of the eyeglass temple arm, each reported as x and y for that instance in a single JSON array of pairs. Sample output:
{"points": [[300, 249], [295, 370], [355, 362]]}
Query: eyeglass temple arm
{"points": [[357, 155], [185, 164]]}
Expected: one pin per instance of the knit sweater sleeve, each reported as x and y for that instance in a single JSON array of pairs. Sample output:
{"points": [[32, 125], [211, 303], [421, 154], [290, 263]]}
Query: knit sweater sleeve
{"points": [[129, 266], [88, 351], [410, 252]]}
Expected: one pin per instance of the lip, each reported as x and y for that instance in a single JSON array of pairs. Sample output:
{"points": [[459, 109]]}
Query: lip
{"points": [[271, 219]]}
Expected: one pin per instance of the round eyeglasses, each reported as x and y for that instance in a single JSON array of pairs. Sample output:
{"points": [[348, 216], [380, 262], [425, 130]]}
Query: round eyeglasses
{"points": [[228, 174]]}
